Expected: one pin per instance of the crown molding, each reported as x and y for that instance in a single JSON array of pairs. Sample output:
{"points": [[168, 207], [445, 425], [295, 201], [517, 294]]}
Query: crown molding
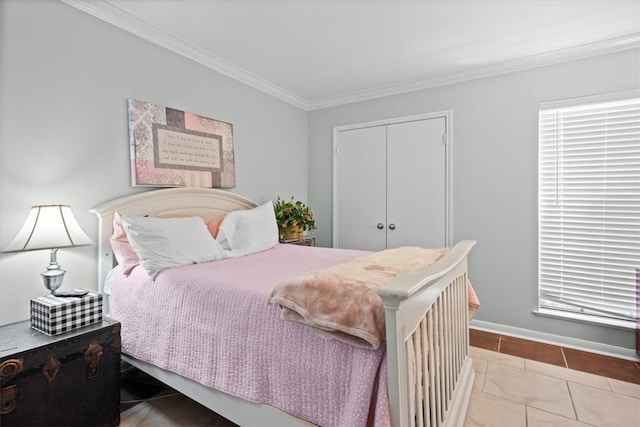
{"points": [[107, 12], [617, 44]]}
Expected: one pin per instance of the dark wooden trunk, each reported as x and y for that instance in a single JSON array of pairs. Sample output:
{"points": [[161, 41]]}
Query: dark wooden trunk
{"points": [[72, 379]]}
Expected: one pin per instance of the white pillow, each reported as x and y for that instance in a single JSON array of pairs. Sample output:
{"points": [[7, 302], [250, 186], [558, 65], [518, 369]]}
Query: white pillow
{"points": [[248, 231], [170, 242]]}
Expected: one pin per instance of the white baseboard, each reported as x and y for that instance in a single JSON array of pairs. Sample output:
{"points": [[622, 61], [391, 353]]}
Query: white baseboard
{"points": [[578, 344]]}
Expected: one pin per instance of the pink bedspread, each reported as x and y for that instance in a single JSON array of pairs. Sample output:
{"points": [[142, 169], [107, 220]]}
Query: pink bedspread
{"points": [[212, 323]]}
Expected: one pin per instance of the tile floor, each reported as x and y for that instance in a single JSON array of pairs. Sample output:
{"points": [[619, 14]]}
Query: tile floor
{"points": [[512, 391], [606, 366], [517, 383]]}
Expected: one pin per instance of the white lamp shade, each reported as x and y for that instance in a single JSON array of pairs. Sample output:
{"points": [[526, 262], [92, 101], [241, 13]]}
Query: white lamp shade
{"points": [[49, 227]]}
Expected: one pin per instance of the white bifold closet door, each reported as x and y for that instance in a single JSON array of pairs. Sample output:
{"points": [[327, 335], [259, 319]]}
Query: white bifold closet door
{"points": [[391, 185]]}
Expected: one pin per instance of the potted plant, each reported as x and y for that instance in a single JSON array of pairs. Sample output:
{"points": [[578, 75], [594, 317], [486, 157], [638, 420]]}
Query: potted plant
{"points": [[293, 218]]}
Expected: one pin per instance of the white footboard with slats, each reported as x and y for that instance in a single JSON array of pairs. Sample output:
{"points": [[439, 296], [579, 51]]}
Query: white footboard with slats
{"points": [[429, 370]]}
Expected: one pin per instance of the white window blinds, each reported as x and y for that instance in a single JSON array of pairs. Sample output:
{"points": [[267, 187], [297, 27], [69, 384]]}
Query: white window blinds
{"points": [[589, 205]]}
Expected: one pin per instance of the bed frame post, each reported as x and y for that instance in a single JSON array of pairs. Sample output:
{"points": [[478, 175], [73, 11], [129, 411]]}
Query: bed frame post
{"points": [[397, 369], [430, 373]]}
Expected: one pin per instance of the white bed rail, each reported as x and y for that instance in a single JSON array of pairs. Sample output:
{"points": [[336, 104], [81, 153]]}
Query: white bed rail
{"points": [[429, 370]]}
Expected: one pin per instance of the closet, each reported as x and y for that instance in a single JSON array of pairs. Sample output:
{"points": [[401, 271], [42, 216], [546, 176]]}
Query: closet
{"points": [[391, 183]]}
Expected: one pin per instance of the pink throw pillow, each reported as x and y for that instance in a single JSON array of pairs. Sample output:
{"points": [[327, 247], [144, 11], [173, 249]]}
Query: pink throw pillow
{"points": [[125, 255], [213, 224]]}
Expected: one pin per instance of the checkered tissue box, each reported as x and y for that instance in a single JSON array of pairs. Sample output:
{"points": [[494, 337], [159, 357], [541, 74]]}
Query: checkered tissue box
{"points": [[54, 315]]}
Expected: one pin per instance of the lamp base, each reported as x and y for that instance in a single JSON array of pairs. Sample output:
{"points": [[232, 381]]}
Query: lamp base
{"points": [[54, 275], [53, 278]]}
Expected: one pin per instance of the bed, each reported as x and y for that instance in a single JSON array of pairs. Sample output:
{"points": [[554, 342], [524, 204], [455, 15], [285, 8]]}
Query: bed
{"points": [[421, 376]]}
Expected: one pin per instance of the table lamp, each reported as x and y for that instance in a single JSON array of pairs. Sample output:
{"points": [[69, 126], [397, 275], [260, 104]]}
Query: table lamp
{"points": [[49, 227]]}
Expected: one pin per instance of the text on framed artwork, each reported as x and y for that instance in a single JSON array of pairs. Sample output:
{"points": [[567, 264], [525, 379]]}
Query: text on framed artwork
{"points": [[179, 148]]}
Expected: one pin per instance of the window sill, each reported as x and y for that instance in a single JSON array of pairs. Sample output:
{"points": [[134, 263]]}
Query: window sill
{"points": [[627, 325]]}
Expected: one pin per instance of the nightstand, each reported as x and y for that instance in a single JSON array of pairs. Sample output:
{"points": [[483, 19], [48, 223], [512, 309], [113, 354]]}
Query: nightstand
{"points": [[306, 241], [71, 379]]}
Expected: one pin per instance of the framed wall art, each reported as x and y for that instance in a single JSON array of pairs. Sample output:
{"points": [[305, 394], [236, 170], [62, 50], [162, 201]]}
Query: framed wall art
{"points": [[173, 148]]}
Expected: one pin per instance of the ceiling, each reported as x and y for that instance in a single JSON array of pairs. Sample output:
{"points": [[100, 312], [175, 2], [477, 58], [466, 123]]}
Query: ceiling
{"points": [[320, 53]]}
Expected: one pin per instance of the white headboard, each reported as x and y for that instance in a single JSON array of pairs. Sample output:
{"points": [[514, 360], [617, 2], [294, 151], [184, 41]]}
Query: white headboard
{"points": [[203, 202]]}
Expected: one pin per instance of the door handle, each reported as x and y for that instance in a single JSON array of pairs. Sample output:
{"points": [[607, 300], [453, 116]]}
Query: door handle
{"points": [[380, 226], [392, 226]]}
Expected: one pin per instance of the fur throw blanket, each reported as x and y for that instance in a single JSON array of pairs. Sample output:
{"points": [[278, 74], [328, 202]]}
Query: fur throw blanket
{"points": [[342, 301]]}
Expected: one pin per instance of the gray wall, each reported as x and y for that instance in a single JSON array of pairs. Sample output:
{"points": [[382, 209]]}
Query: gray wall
{"points": [[65, 78], [494, 175]]}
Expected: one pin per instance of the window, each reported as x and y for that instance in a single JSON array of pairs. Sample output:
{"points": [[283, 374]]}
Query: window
{"points": [[589, 207]]}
